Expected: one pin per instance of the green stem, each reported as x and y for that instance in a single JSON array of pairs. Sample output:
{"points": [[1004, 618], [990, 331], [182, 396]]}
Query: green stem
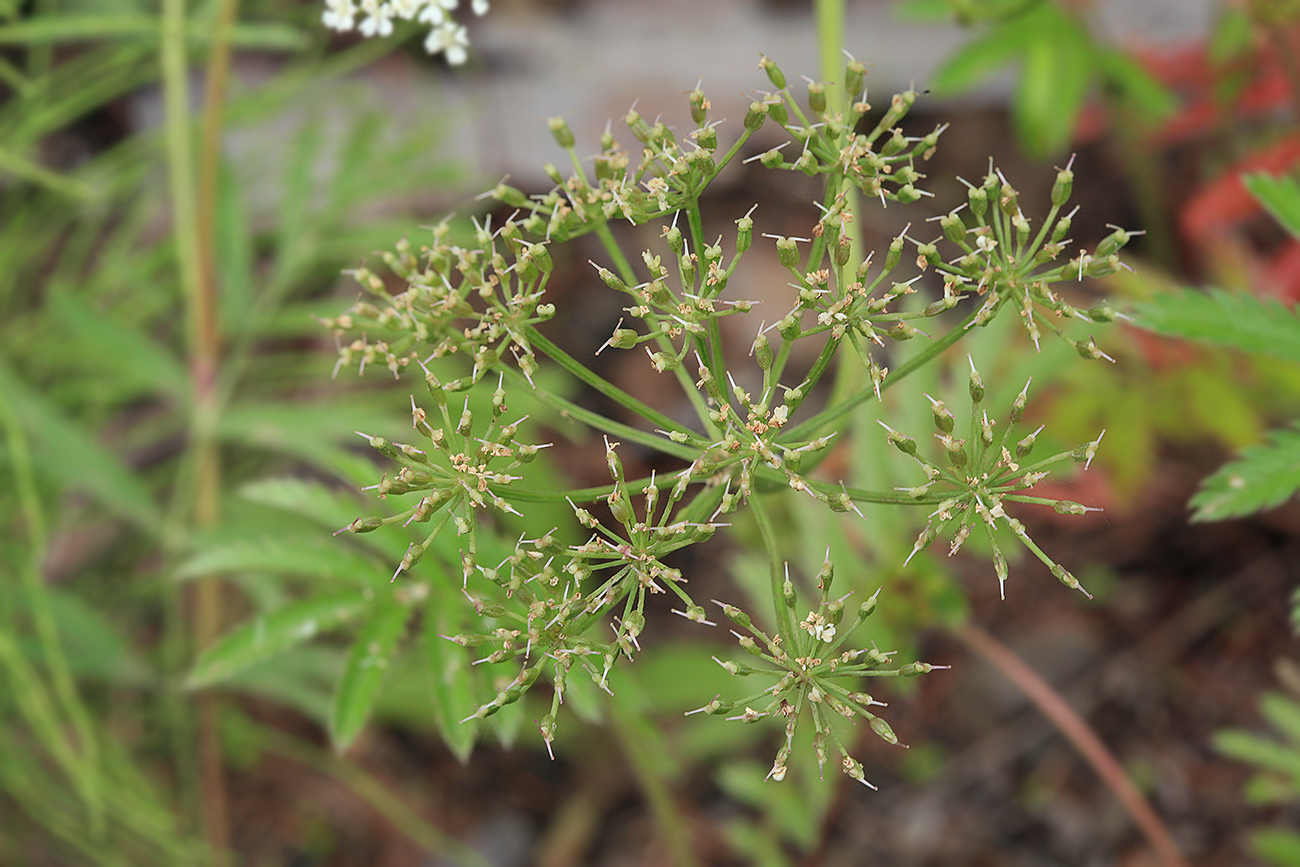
{"points": [[375, 795], [85, 773], [604, 386], [648, 770], [784, 619], [806, 429]]}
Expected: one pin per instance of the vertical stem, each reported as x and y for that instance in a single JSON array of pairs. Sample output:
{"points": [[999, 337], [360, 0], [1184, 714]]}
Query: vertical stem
{"points": [[831, 26], [193, 214], [784, 620], [649, 775]]}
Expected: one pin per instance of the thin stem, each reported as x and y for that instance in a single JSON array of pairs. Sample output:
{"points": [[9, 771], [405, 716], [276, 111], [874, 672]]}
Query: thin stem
{"points": [[648, 770], [784, 619], [193, 213], [1085, 740], [377, 796], [807, 428], [85, 772]]}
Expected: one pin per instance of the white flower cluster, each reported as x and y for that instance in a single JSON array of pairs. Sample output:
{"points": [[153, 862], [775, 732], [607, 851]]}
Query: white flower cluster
{"points": [[378, 16]]}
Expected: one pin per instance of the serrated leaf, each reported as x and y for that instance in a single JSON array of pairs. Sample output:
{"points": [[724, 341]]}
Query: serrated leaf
{"points": [[1280, 197], [275, 632], [1261, 477], [365, 670], [1239, 321], [320, 557]]}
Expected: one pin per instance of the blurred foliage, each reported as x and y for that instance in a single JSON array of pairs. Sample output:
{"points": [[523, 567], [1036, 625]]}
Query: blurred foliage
{"points": [[1059, 63], [97, 406], [1278, 780]]}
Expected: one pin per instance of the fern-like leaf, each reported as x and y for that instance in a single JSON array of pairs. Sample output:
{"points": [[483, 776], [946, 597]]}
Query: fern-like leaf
{"points": [[1261, 477], [1255, 325]]}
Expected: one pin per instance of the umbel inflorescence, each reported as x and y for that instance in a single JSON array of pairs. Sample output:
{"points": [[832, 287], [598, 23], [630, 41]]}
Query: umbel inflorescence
{"points": [[572, 601]]}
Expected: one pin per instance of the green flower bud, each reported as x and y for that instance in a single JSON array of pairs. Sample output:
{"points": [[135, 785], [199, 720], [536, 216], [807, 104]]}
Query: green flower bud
{"points": [[624, 338], [882, 728], [1112, 243], [1063, 186], [636, 123], [1019, 404], [907, 194], [762, 351], [895, 253], [560, 129], [1061, 229], [777, 111], [773, 71], [896, 143], [553, 173], [699, 106], [816, 97], [1026, 445], [855, 75], [978, 198], [901, 441], [953, 228], [787, 252], [842, 251], [756, 116], [707, 138], [943, 417], [364, 525]]}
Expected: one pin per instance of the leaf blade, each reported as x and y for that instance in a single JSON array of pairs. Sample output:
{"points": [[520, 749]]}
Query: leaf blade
{"points": [[366, 667], [273, 633]]}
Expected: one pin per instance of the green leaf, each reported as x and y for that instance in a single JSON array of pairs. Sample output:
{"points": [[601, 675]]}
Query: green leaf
{"points": [[1260, 478], [1268, 754], [1238, 321], [1283, 714], [449, 675], [366, 667], [1279, 196], [1053, 83], [274, 633], [1147, 99], [324, 505], [320, 557], [1277, 846], [118, 350], [303, 678], [66, 453], [84, 28], [977, 60]]}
